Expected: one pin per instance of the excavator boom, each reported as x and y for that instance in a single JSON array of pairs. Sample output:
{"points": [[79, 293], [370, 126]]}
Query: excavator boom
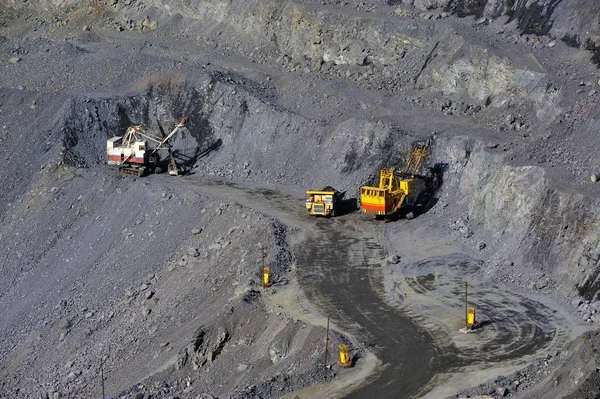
{"points": [[416, 157], [161, 144]]}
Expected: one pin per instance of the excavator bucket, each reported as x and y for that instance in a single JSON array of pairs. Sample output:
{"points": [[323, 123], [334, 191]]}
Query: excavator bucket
{"points": [[173, 169]]}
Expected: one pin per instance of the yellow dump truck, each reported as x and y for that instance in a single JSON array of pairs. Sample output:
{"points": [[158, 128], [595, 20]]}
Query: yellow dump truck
{"points": [[396, 189], [326, 202]]}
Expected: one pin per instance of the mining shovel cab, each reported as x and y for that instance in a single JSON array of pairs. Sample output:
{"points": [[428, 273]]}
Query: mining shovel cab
{"points": [[396, 189]]}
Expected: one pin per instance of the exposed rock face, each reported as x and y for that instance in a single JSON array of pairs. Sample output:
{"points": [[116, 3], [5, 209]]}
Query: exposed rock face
{"points": [[554, 230], [459, 70], [279, 349], [495, 8], [304, 36], [431, 4], [576, 23]]}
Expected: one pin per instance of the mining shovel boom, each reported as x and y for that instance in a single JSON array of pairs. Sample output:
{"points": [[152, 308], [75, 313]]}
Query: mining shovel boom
{"points": [[173, 168]]}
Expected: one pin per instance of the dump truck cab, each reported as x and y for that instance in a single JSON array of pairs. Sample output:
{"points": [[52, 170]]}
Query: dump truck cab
{"points": [[324, 202]]}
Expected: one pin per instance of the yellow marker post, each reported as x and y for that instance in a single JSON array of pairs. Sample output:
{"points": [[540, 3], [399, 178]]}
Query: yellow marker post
{"points": [[266, 277], [466, 312], [326, 342], [471, 316], [345, 359], [471, 324], [266, 272]]}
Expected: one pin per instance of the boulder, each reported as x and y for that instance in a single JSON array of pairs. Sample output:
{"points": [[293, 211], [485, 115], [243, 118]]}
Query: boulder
{"points": [[493, 9], [182, 261], [542, 283], [278, 350], [595, 306], [394, 259], [431, 4]]}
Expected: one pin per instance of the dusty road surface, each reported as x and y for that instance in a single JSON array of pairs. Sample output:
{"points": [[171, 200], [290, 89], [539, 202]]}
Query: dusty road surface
{"points": [[339, 269]]}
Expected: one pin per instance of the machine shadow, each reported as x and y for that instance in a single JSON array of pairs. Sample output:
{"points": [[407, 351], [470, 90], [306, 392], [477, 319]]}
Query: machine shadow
{"points": [[347, 206], [189, 161]]}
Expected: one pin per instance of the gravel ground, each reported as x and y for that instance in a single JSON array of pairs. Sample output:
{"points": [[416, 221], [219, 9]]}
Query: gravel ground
{"points": [[157, 279]]}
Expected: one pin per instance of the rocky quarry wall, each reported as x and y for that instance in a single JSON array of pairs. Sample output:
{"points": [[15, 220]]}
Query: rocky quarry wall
{"points": [[430, 64], [536, 234], [574, 21], [235, 134], [392, 53]]}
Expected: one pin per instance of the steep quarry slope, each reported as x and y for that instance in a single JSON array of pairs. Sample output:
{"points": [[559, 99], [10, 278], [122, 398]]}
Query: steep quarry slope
{"points": [[100, 266], [159, 277]]}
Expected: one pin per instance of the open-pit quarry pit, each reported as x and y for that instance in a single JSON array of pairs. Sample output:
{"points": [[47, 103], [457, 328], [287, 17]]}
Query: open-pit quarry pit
{"points": [[151, 287]]}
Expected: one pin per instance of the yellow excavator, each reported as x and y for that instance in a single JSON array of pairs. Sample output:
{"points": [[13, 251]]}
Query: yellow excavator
{"points": [[398, 189]]}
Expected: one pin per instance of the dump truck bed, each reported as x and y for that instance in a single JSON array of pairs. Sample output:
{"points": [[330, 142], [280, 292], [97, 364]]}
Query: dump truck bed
{"points": [[328, 190]]}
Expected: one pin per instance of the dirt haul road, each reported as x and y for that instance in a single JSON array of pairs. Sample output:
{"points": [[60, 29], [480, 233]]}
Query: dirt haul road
{"points": [[341, 269], [342, 275]]}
